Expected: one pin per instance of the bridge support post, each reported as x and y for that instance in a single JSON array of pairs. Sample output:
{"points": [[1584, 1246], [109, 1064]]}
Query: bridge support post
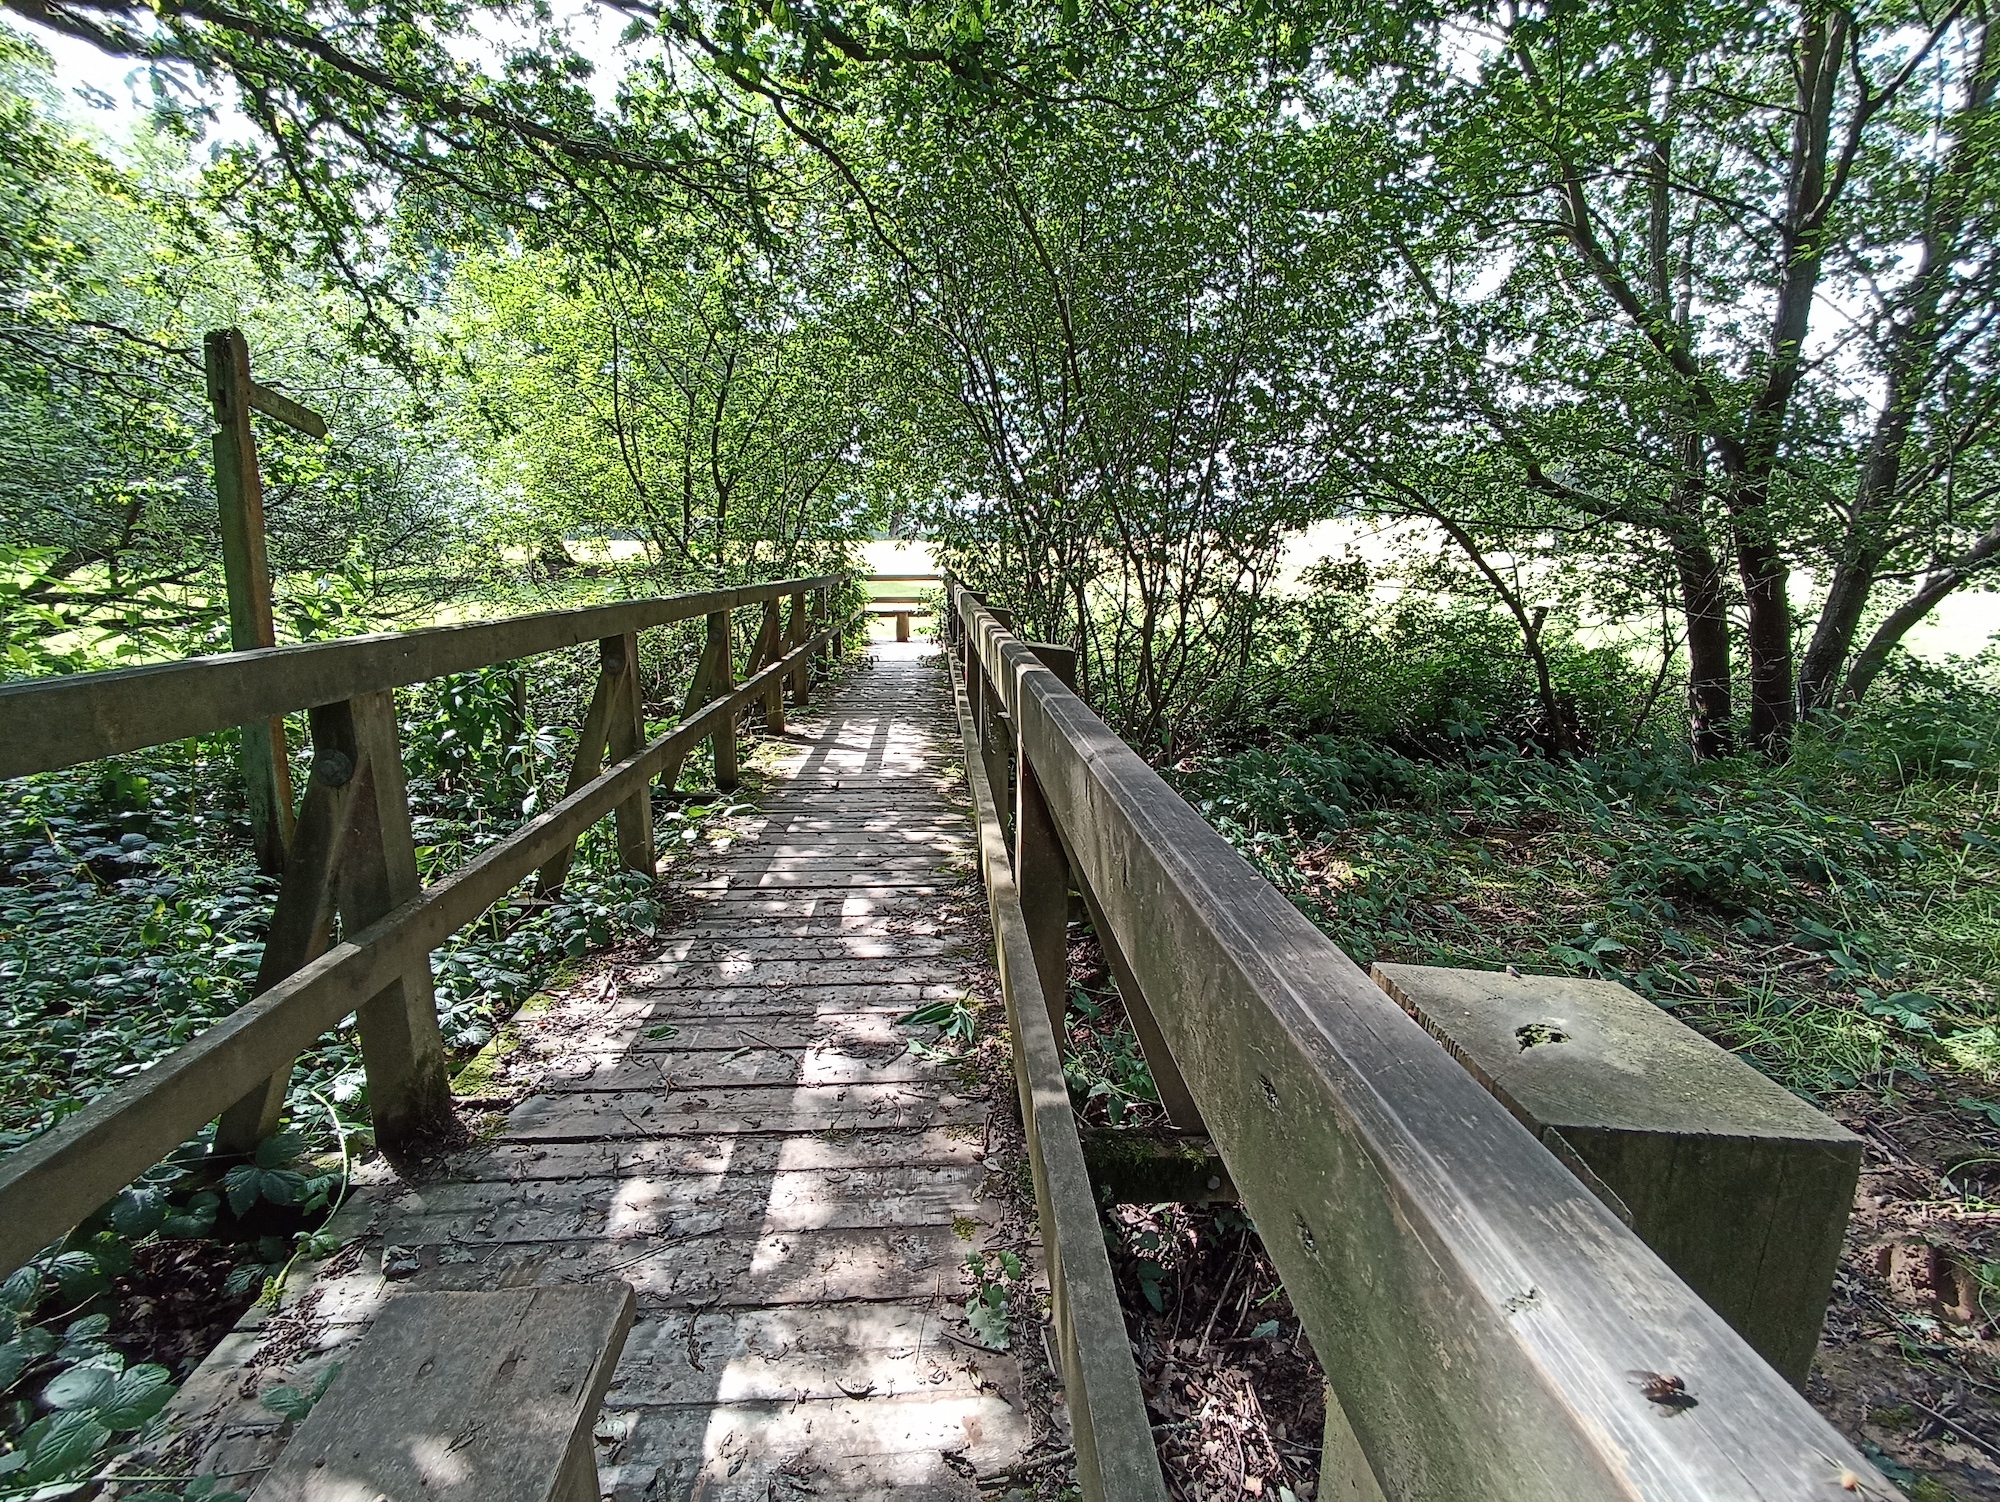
{"points": [[409, 1091], [617, 672], [723, 657], [354, 852], [302, 921], [770, 647], [628, 735]]}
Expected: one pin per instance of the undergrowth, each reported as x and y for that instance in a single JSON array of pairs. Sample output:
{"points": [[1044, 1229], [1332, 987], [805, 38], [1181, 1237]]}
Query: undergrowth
{"points": [[132, 918], [1836, 917]]}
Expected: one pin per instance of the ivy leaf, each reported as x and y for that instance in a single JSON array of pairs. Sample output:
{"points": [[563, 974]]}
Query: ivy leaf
{"points": [[22, 1290]]}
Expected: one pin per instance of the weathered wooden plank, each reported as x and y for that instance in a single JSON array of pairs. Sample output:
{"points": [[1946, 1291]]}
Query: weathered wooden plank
{"points": [[898, 1447], [1739, 1185], [521, 1162], [49, 723], [1477, 1309], [1115, 1457], [558, 1212], [853, 1264], [781, 974], [741, 1108], [746, 1065], [463, 1397]]}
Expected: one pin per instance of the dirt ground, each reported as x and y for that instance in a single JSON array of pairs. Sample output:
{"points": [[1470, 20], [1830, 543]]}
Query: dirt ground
{"points": [[1909, 1363]]}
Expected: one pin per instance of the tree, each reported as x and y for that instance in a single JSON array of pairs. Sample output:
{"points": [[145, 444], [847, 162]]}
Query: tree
{"points": [[1745, 272]]}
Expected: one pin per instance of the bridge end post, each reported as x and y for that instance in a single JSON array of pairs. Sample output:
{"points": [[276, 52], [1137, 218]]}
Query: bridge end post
{"points": [[626, 736]]}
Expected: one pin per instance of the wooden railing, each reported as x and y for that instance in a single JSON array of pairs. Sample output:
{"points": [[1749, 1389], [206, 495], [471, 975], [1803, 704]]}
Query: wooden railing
{"points": [[352, 855], [1488, 1328]]}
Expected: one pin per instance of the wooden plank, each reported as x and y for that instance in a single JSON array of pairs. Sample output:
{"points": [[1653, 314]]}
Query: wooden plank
{"points": [[703, 1269], [740, 1108], [1478, 1310], [556, 1213], [464, 1397], [1115, 1457], [1739, 1185], [50, 723], [51, 1183], [522, 1162]]}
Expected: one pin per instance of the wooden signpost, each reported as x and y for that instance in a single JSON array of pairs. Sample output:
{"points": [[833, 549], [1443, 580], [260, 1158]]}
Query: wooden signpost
{"points": [[240, 490]]}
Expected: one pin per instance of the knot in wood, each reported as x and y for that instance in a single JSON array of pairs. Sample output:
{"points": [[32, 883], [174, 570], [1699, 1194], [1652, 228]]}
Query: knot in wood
{"points": [[334, 768]]}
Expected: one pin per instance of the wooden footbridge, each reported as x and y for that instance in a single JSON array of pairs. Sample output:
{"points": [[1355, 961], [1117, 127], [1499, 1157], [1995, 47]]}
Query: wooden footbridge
{"points": [[736, 1126]]}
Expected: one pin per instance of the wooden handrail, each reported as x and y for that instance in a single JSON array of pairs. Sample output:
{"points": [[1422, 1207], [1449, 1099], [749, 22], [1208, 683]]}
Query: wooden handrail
{"points": [[354, 837], [1485, 1322], [50, 723]]}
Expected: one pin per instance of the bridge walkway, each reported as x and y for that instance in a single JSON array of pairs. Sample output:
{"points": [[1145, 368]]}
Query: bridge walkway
{"points": [[735, 1124]]}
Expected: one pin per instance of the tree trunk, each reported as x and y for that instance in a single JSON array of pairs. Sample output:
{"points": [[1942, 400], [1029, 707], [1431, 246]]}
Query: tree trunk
{"points": [[1982, 555], [1768, 637], [1705, 602], [1711, 708]]}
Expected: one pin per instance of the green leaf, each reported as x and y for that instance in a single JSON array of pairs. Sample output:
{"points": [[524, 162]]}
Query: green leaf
{"points": [[71, 1442], [22, 1290], [80, 1387], [287, 1402], [1266, 1331], [988, 1323], [276, 1152], [139, 1394]]}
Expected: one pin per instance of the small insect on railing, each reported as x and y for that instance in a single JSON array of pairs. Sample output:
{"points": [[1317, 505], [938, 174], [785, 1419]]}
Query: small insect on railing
{"points": [[352, 854], [1488, 1328]]}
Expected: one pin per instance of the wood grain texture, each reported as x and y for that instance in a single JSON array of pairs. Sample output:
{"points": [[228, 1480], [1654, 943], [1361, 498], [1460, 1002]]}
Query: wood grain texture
{"points": [[1477, 1310], [1115, 1457], [1739, 1185], [463, 1397]]}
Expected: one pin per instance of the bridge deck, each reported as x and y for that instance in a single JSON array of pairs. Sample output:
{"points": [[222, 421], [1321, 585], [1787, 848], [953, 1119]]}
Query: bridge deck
{"points": [[735, 1125]]}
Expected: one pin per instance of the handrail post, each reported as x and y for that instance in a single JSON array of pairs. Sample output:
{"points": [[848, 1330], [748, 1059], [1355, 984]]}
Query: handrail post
{"points": [[628, 735], [723, 660], [409, 1092], [771, 642], [302, 920], [795, 638]]}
